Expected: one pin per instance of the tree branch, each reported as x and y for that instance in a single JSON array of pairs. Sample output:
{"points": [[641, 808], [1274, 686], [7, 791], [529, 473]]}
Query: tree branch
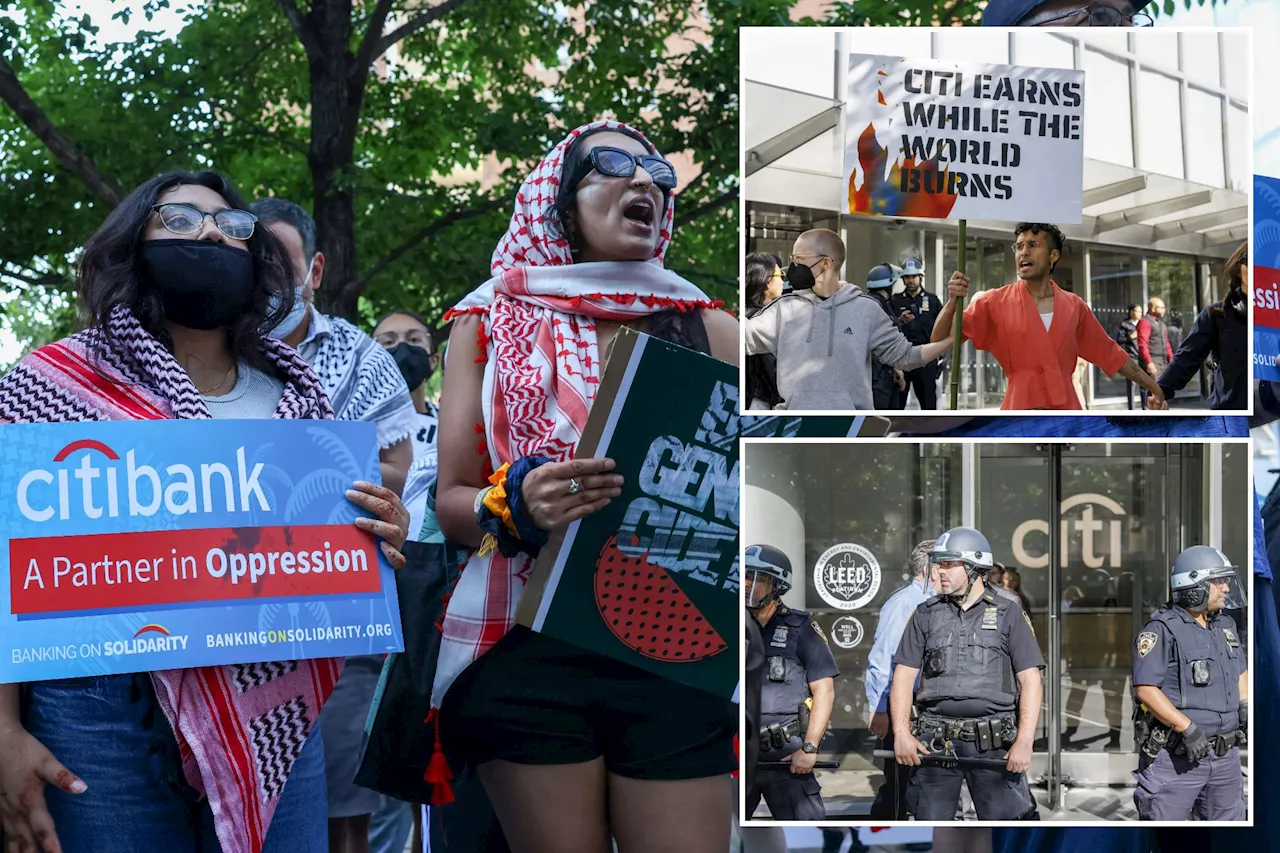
{"points": [[703, 209], [427, 231], [257, 54], [70, 157], [298, 22], [249, 127], [413, 25], [40, 281], [712, 277], [372, 35], [702, 176]]}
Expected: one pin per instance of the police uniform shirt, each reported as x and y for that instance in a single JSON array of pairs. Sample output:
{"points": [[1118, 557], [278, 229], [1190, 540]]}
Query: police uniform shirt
{"points": [[925, 306], [792, 639], [989, 615], [1265, 835], [1159, 661]]}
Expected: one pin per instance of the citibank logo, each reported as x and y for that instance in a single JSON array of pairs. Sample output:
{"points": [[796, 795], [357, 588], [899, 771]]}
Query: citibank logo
{"points": [[109, 488], [1099, 540]]}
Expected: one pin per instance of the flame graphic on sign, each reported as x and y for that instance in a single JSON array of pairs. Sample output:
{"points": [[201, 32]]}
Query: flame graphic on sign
{"points": [[881, 196]]}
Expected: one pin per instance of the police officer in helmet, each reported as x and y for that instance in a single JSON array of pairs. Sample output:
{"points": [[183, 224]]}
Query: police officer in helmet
{"points": [[799, 666], [975, 653], [1190, 675], [888, 383], [915, 310]]}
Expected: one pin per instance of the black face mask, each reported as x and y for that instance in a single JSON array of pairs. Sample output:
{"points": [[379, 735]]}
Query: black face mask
{"points": [[414, 363], [201, 285], [799, 276]]}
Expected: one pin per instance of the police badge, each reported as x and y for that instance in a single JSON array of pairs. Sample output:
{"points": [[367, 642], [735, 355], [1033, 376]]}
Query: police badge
{"points": [[1146, 642], [991, 618], [1231, 638], [779, 637]]}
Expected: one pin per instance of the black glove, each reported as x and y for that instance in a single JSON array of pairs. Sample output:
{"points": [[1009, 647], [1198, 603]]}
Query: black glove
{"points": [[1244, 716], [1196, 743]]}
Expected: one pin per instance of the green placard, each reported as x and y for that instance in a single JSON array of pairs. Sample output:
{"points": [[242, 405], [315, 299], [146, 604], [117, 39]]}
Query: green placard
{"points": [[652, 579]]}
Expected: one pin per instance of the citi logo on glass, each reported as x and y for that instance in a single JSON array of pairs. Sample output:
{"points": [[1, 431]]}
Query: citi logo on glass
{"points": [[180, 489]]}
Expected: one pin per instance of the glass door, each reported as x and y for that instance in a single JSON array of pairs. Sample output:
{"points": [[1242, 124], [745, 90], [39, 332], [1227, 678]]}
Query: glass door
{"points": [[1086, 531], [1013, 508], [1123, 512], [1116, 283]]}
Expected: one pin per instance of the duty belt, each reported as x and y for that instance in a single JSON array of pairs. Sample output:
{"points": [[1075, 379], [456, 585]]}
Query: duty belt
{"points": [[987, 732], [1221, 744], [1153, 736]]}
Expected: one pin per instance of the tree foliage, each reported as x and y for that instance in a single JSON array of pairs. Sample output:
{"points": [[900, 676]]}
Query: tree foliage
{"points": [[404, 126], [946, 13]]}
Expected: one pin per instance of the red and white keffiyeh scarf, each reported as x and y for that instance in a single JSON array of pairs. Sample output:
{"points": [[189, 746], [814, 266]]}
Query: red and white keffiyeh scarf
{"points": [[541, 375], [239, 728]]}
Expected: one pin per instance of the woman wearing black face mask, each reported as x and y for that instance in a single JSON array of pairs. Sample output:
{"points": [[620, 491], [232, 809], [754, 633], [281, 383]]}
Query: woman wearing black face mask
{"points": [[405, 335], [1220, 333], [176, 288]]}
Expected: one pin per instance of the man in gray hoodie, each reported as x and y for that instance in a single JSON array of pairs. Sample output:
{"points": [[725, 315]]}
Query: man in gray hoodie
{"points": [[826, 332]]}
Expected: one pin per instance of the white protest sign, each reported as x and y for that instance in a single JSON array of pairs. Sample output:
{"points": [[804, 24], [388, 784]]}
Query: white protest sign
{"points": [[942, 140]]}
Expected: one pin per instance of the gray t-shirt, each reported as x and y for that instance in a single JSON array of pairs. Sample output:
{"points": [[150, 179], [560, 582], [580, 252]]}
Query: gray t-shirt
{"points": [[254, 397]]}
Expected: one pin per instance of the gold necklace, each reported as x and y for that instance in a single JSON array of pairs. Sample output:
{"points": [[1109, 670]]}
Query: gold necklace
{"points": [[220, 384]]}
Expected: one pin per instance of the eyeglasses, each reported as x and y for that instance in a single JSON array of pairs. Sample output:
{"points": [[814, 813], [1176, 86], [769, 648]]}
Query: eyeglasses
{"points": [[186, 220], [617, 163], [415, 338], [1030, 245], [1099, 16], [798, 257]]}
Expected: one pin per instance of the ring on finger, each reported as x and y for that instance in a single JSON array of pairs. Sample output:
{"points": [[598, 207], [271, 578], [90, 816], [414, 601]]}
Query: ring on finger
{"points": [[574, 486]]}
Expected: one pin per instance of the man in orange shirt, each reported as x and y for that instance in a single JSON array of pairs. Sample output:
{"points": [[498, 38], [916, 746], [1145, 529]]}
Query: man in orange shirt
{"points": [[1036, 330]]}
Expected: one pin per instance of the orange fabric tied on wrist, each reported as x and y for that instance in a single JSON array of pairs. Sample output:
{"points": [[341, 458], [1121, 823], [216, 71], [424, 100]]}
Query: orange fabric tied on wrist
{"points": [[496, 499]]}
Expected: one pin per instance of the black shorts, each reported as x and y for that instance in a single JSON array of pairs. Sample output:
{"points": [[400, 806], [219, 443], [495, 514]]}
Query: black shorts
{"points": [[536, 700]]}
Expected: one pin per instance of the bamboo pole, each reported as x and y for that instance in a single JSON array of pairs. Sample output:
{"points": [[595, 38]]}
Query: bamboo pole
{"points": [[958, 327]]}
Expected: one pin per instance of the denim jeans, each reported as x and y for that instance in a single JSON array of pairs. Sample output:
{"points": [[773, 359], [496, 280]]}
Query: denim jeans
{"points": [[390, 827], [112, 733]]}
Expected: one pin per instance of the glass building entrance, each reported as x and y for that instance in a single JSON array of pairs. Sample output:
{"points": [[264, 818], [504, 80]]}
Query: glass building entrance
{"points": [[1089, 530]]}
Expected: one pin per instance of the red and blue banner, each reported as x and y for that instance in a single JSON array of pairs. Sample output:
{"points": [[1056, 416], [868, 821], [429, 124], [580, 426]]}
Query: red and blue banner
{"points": [[1264, 281], [141, 545]]}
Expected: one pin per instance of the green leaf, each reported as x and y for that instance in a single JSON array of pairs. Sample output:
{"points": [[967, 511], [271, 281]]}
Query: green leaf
{"points": [[233, 91]]}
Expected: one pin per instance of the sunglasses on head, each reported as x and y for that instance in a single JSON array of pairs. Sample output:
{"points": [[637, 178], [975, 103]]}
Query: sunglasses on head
{"points": [[617, 163], [187, 220]]}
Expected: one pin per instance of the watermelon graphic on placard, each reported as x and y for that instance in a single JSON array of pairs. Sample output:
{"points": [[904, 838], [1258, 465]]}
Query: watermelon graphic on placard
{"points": [[647, 610]]}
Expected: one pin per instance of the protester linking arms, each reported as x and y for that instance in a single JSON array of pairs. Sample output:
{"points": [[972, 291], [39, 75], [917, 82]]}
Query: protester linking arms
{"points": [[827, 332], [1221, 330], [1036, 330]]}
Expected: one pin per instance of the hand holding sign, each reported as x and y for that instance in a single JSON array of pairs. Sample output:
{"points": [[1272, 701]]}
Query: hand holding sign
{"points": [[549, 497], [392, 522], [958, 286], [28, 766]]}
